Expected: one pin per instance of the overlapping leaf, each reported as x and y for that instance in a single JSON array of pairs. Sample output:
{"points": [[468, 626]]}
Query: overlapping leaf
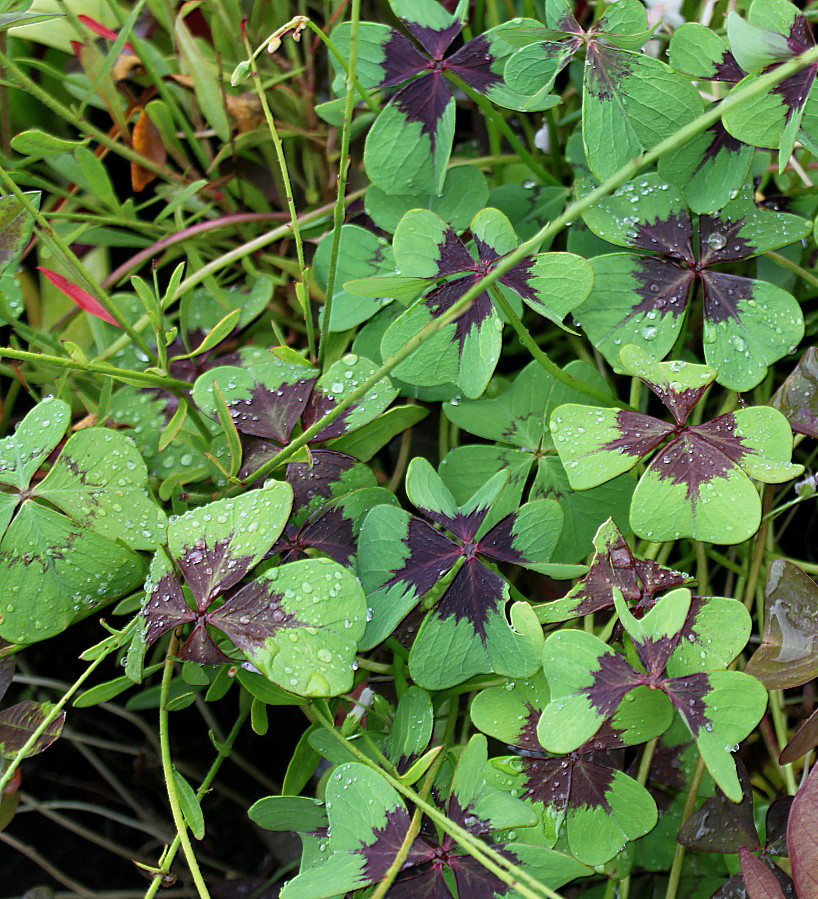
{"points": [[15, 229], [644, 299], [56, 567], [697, 484], [408, 147], [465, 352], [589, 681], [797, 398], [402, 558], [585, 793], [630, 102], [517, 419]]}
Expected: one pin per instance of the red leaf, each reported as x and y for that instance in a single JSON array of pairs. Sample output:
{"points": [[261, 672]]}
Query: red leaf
{"points": [[102, 31], [81, 297], [759, 880], [802, 838]]}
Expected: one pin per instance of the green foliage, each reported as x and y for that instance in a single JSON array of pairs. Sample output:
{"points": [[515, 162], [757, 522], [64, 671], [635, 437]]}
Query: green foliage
{"points": [[411, 411]]}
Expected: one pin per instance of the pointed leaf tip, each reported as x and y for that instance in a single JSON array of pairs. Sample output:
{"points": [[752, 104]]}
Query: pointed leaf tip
{"points": [[79, 296]]}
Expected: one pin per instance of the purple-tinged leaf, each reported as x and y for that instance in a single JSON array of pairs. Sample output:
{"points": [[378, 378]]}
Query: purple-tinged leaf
{"points": [[473, 63], [201, 648], [701, 53], [165, 606], [721, 825], [775, 830], [805, 739], [788, 655], [613, 565], [759, 880], [714, 633], [401, 61], [6, 670], [797, 398], [18, 723], [265, 399], [473, 595], [328, 476], [802, 838]]}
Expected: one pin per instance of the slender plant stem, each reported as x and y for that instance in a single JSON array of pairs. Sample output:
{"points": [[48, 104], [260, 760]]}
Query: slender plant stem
{"points": [[168, 772], [224, 753], [679, 855], [551, 367], [513, 876], [142, 378], [343, 170], [302, 287], [50, 716], [803, 273]]}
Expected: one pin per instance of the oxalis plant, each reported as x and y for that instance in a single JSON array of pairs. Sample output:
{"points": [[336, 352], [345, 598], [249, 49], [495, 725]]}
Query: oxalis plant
{"points": [[420, 397]]}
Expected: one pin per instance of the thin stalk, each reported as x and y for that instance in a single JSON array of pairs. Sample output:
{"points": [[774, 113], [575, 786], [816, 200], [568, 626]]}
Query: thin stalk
{"points": [[551, 367], [303, 293], [414, 825], [61, 249], [224, 753], [513, 876], [343, 170], [167, 770], [679, 855], [780, 725], [496, 119], [149, 379], [803, 273], [51, 715]]}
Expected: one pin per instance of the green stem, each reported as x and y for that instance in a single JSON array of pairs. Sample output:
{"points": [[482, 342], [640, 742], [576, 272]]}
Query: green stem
{"points": [[513, 876], [343, 170], [224, 753], [803, 273], [302, 287], [780, 725], [168, 772], [61, 249], [52, 715], [551, 367], [679, 855], [496, 119], [146, 378]]}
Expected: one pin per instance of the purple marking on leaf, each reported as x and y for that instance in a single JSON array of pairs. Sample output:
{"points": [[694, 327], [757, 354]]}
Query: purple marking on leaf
{"points": [[666, 766], [778, 815], [722, 293], [431, 555], [402, 60], [464, 527], [655, 579], [663, 285], [317, 480], [693, 461], [794, 90], [672, 236], [477, 882], [498, 543], [271, 413], [654, 653], [687, 695], [720, 140], [332, 533], [442, 298], [720, 433], [200, 648], [318, 405], [614, 678], [727, 69], [800, 38], [465, 817], [606, 69], [254, 453], [472, 596], [425, 882], [638, 434], [472, 63], [517, 279], [252, 614], [453, 257], [388, 839], [425, 100], [165, 608], [797, 398], [291, 544], [679, 403], [548, 780], [486, 253], [435, 41], [211, 570], [719, 240], [526, 738], [568, 24], [606, 743]]}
